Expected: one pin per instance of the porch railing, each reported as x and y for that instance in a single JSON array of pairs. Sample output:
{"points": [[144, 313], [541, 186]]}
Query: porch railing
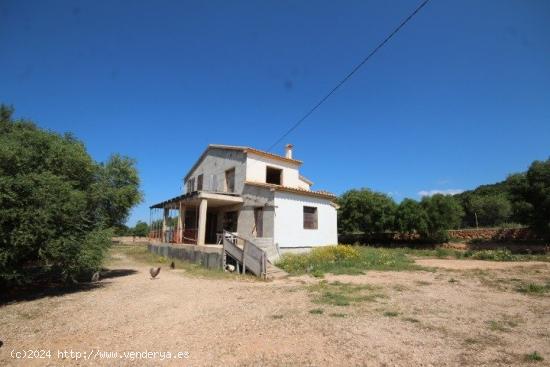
{"points": [[246, 253]]}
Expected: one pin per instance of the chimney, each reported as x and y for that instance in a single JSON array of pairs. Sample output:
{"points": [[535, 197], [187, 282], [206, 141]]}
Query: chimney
{"points": [[288, 151]]}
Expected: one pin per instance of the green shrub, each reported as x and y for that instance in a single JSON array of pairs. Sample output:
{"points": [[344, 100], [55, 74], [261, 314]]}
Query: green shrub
{"points": [[535, 357], [366, 211]]}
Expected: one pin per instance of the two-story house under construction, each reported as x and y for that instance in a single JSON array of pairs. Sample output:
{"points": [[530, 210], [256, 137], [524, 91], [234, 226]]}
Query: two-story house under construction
{"points": [[258, 195]]}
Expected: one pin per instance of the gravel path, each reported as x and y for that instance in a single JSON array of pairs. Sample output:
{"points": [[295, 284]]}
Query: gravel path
{"points": [[423, 319]]}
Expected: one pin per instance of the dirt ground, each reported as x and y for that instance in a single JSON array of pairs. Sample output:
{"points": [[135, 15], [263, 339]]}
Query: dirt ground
{"points": [[462, 313]]}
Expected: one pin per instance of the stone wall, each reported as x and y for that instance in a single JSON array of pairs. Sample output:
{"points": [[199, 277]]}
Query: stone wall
{"points": [[207, 256], [466, 235], [494, 234]]}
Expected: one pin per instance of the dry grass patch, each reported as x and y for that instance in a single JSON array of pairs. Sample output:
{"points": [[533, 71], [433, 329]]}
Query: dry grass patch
{"points": [[344, 294], [534, 288], [338, 314], [505, 324], [534, 357], [391, 313]]}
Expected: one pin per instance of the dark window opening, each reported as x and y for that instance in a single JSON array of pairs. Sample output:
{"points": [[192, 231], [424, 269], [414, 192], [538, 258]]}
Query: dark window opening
{"points": [[310, 217], [273, 176], [230, 221], [199, 182], [230, 180], [191, 185]]}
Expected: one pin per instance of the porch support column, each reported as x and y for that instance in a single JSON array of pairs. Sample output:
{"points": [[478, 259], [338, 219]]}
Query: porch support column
{"points": [[202, 222], [181, 220], [164, 226]]}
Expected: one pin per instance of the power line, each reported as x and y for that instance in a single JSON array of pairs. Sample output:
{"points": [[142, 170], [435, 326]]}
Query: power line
{"points": [[357, 67]]}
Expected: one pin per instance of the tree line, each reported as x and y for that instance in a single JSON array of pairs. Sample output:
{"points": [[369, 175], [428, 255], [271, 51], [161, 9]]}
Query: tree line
{"points": [[141, 229], [59, 208], [522, 199]]}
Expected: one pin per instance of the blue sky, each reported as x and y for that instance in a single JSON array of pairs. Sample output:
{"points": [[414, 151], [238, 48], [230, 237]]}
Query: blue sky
{"points": [[460, 97]]}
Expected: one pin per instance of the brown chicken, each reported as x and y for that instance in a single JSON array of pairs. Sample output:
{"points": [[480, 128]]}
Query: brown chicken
{"points": [[154, 272]]}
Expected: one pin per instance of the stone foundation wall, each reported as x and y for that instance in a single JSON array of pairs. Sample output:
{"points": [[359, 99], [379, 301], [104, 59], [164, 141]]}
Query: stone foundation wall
{"points": [[209, 257]]}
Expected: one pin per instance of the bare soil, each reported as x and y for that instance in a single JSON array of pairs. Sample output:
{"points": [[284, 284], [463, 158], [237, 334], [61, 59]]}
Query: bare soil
{"points": [[463, 313]]}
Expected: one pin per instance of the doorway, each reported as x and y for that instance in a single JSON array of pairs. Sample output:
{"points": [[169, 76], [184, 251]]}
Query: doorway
{"points": [[211, 225]]}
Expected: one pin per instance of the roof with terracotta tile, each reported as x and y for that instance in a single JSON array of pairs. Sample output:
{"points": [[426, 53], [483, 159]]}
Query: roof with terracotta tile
{"points": [[317, 193]]}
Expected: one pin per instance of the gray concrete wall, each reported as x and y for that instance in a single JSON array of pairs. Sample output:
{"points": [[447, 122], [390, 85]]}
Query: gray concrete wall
{"points": [[209, 257], [256, 197], [215, 163]]}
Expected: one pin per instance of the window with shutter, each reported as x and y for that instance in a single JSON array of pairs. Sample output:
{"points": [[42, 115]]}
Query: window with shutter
{"points": [[310, 217], [191, 185]]}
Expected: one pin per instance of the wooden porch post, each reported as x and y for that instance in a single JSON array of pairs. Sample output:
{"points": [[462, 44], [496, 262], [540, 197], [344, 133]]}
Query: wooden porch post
{"points": [[202, 222], [181, 221]]}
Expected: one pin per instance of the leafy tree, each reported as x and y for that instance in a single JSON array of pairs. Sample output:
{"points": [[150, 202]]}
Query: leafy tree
{"points": [[444, 212], [55, 209], [122, 230], [116, 190], [491, 210], [411, 217], [531, 197], [141, 229], [522, 211], [366, 211]]}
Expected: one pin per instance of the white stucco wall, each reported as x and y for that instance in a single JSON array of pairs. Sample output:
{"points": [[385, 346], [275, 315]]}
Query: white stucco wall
{"points": [[289, 226], [256, 168], [303, 184]]}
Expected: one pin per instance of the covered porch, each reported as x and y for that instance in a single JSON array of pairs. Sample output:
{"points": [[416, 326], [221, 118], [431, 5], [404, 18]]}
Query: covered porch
{"points": [[197, 218]]}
